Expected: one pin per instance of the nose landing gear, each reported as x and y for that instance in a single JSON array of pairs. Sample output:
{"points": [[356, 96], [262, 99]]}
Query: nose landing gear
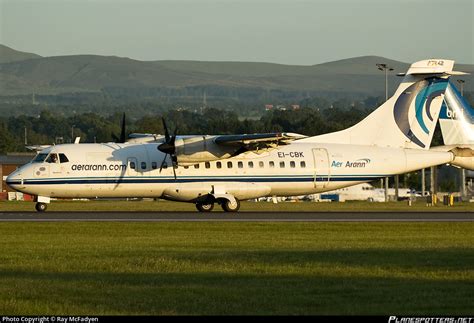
{"points": [[42, 203], [41, 207]]}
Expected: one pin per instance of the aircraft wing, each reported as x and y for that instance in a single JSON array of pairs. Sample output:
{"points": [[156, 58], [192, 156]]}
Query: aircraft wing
{"points": [[37, 148], [257, 141]]}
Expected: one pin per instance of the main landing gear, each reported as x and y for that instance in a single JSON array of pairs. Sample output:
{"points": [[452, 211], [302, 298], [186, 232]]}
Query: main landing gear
{"points": [[230, 206], [204, 207], [227, 206]]}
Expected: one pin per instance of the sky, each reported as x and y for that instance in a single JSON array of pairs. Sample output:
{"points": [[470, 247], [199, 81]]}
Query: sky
{"points": [[297, 32]]}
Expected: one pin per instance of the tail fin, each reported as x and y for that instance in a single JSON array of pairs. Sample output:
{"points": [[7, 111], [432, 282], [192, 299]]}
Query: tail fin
{"points": [[456, 118], [409, 117]]}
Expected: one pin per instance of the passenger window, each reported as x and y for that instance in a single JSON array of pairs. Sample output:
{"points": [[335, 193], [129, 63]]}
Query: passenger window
{"points": [[240, 164], [292, 164], [282, 164], [250, 164], [207, 164], [132, 165], [229, 164], [63, 158], [196, 166], [186, 167], [165, 165], [154, 165], [303, 164], [271, 164], [53, 158], [218, 165], [260, 164], [143, 165]]}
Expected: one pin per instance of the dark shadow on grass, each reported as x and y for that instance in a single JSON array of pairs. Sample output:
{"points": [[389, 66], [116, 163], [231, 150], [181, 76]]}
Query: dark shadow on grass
{"points": [[403, 259]]}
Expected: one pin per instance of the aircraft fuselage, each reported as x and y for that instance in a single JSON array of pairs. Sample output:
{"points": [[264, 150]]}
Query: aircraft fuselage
{"points": [[133, 170]]}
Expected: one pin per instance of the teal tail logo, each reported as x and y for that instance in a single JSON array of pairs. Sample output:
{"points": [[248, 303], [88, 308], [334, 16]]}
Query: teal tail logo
{"points": [[420, 96]]}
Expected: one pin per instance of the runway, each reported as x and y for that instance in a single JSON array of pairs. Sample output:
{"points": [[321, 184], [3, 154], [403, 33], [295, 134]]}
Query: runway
{"points": [[237, 217]]}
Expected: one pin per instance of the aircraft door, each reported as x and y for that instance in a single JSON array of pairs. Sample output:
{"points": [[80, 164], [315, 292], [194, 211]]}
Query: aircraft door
{"points": [[321, 167]]}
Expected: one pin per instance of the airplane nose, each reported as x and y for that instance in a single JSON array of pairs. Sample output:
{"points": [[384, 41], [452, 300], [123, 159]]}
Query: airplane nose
{"points": [[14, 179]]}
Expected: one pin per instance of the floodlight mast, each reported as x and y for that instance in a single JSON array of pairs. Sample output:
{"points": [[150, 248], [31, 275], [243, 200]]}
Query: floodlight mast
{"points": [[385, 68], [462, 171]]}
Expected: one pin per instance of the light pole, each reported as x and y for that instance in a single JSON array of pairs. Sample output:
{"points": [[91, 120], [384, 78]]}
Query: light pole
{"points": [[72, 133], [461, 83], [385, 68], [462, 172]]}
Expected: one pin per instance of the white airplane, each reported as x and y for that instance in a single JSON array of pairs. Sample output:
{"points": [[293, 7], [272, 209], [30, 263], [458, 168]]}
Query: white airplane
{"points": [[225, 169]]}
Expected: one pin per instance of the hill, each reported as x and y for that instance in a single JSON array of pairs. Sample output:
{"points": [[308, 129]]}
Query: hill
{"points": [[23, 73], [8, 55]]}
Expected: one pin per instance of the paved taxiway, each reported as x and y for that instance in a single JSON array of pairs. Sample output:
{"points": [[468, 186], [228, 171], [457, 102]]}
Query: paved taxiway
{"points": [[237, 217]]}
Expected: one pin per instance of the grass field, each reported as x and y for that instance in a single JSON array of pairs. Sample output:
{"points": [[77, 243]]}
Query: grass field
{"points": [[161, 205], [236, 268]]}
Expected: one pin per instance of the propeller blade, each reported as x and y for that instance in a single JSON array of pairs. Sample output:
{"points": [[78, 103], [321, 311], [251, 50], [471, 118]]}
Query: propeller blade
{"points": [[163, 162], [174, 173], [168, 147], [173, 138], [167, 134], [122, 132]]}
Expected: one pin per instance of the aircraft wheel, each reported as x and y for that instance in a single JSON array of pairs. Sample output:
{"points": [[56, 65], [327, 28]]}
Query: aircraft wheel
{"points": [[231, 207], [204, 207], [41, 207]]}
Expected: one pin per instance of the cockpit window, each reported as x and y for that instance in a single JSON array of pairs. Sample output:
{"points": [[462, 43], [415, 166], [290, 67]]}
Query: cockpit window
{"points": [[63, 158], [52, 158], [39, 158]]}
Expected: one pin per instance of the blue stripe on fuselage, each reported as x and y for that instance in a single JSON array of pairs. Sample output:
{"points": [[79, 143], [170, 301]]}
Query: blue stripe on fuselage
{"points": [[171, 180]]}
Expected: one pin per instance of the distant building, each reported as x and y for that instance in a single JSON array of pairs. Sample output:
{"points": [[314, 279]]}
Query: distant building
{"points": [[295, 106], [359, 192], [268, 107]]}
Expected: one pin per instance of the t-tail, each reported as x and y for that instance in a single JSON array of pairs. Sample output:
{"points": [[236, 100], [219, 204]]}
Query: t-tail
{"points": [[456, 121], [408, 119]]}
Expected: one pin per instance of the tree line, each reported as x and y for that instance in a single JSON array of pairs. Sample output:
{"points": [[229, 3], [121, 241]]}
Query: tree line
{"points": [[48, 127]]}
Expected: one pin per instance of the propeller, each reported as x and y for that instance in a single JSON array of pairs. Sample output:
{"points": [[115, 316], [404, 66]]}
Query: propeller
{"points": [[169, 148], [122, 137]]}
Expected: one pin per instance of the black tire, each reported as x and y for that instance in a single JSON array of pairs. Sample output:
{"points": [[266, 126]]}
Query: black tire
{"points": [[229, 207], [204, 207], [41, 207]]}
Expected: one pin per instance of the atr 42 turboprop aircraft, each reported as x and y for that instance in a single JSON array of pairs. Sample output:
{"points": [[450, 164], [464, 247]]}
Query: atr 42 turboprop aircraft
{"points": [[225, 169]]}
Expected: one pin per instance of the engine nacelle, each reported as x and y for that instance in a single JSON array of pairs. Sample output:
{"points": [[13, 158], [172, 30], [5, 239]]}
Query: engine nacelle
{"points": [[198, 149], [464, 157]]}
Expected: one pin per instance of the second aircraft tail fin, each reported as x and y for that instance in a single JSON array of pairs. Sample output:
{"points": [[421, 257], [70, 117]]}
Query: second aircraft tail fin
{"points": [[456, 118]]}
